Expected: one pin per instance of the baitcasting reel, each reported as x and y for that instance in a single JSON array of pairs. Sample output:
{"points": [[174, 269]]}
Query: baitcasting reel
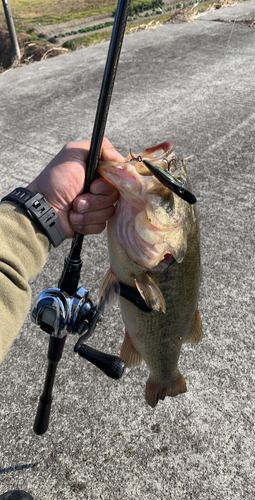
{"points": [[60, 314]]}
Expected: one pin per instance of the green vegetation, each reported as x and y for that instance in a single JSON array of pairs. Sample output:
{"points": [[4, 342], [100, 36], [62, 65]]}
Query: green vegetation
{"points": [[86, 30], [136, 7], [56, 11], [103, 36], [59, 11], [86, 41], [199, 8], [29, 12]]}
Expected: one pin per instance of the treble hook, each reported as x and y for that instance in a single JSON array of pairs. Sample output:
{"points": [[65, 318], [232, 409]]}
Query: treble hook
{"points": [[169, 162]]}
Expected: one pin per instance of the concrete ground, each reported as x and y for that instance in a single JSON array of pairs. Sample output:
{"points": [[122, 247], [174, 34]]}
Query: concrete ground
{"points": [[194, 84]]}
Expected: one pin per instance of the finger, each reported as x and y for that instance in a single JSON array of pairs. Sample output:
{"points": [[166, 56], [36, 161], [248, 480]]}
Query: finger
{"points": [[102, 186], [108, 152], [90, 202], [88, 218]]}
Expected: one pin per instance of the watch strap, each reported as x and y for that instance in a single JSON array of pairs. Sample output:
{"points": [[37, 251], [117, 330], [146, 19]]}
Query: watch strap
{"points": [[40, 212]]}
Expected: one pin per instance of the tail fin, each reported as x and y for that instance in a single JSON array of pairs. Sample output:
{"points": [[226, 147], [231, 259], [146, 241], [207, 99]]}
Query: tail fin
{"points": [[154, 391]]}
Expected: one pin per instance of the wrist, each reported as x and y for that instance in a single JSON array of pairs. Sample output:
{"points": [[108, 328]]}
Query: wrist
{"points": [[33, 187], [40, 212]]}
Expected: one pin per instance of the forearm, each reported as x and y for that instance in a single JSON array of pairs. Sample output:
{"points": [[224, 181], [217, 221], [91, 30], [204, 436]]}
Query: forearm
{"points": [[23, 251]]}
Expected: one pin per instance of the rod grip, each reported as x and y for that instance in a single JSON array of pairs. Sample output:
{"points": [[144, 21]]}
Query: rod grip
{"points": [[42, 418], [41, 423]]}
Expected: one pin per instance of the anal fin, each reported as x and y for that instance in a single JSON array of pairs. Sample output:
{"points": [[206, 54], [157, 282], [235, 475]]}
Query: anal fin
{"points": [[128, 353], [196, 333], [155, 392]]}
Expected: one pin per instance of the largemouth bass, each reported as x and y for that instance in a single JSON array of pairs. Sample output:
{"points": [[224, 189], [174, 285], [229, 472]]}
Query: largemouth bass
{"points": [[153, 241]]}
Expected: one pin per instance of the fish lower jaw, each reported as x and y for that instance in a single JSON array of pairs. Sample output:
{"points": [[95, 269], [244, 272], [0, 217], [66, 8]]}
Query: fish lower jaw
{"points": [[153, 264]]}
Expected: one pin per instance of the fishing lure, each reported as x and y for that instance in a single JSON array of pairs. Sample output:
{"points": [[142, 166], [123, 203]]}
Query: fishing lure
{"points": [[168, 179]]}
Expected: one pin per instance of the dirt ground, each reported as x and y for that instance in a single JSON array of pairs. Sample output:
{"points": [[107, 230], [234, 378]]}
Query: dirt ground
{"points": [[29, 52]]}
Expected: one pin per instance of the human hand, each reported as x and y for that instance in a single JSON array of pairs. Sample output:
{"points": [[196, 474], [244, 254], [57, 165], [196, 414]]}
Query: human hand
{"points": [[62, 181]]}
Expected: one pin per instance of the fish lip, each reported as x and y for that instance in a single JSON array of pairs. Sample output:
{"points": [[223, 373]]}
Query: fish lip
{"points": [[168, 148]]}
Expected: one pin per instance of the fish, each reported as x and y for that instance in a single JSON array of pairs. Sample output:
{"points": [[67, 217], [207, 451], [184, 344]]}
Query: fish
{"points": [[154, 250]]}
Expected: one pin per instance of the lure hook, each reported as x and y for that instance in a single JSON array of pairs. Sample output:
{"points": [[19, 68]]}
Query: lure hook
{"points": [[138, 158], [169, 163]]}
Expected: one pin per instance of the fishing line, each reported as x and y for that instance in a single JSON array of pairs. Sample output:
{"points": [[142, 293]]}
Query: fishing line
{"points": [[230, 36]]}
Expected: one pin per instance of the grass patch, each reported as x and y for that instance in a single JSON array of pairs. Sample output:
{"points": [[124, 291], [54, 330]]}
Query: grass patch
{"points": [[59, 11], [87, 41], [138, 7], [200, 7], [56, 11], [138, 25]]}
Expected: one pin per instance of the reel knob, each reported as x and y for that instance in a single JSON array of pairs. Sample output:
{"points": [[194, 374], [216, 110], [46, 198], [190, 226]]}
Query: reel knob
{"points": [[112, 366]]}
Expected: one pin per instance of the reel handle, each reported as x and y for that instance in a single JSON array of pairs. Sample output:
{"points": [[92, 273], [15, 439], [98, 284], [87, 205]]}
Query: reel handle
{"points": [[112, 366]]}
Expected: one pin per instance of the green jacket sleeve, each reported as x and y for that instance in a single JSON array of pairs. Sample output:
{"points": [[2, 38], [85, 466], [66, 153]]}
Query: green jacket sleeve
{"points": [[23, 252]]}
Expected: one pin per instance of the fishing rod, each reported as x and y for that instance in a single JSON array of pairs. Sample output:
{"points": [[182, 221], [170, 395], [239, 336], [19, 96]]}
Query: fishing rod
{"points": [[68, 309]]}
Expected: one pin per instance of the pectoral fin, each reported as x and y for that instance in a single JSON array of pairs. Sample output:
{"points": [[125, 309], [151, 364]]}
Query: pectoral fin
{"points": [[196, 333], [109, 290], [151, 293]]}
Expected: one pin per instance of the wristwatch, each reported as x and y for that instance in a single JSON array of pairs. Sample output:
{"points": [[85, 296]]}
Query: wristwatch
{"points": [[40, 212]]}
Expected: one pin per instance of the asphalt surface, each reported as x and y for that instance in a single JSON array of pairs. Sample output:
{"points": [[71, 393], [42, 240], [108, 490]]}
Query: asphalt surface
{"points": [[194, 84]]}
